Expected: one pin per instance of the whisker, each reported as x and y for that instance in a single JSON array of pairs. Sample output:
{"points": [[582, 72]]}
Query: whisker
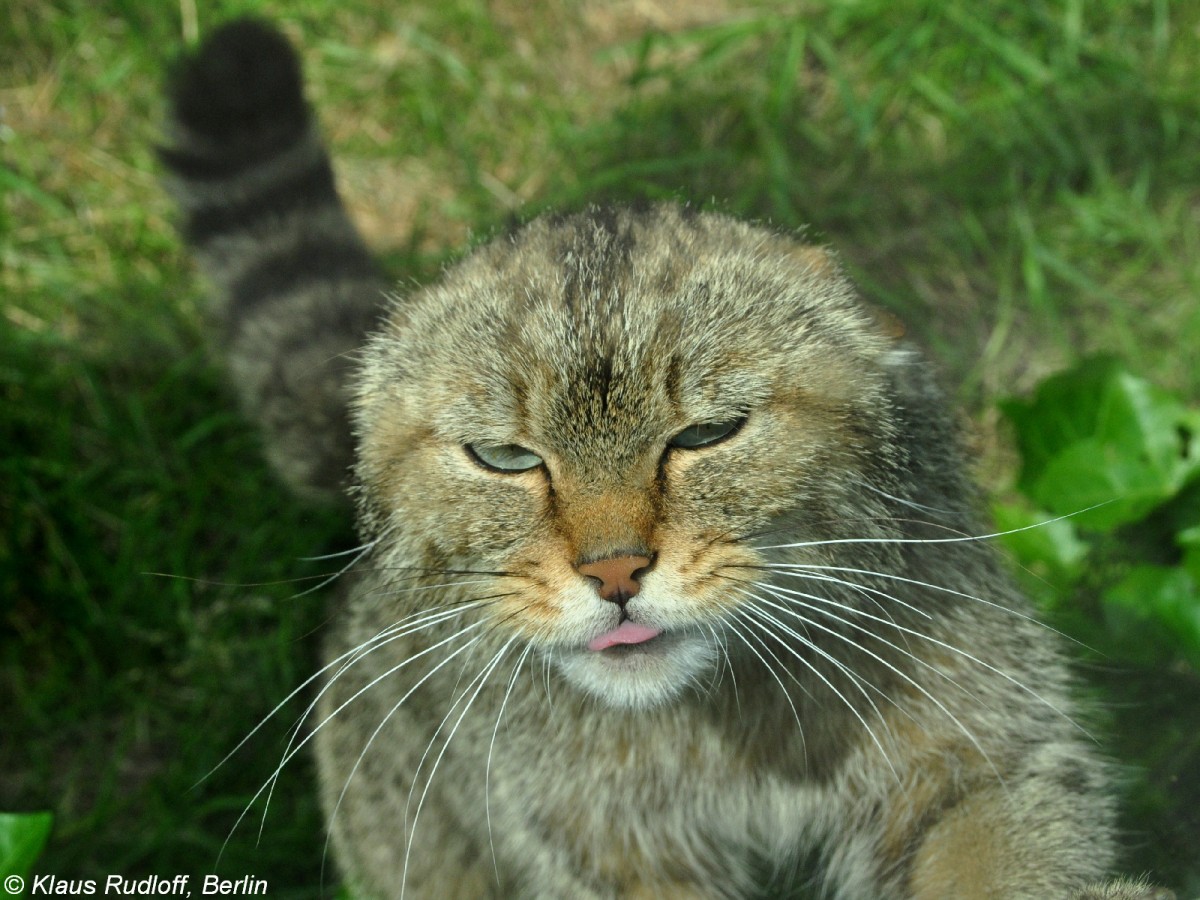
{"points": [[546, 661], [210, 582], [346, 785], [481, 679], [902, 500], [790, 569], [718, 674], [854, 679], [949, 540], [336, 575], [801, 568], [787, 696], [951, 647], [341, 553], [487, 771], [405, 628], [290, 755], [859, 646], [304, 684], [425, 571], [765, 618], [865, 590]]}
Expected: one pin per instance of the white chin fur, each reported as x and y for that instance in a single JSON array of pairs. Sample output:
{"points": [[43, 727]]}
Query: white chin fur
{"points": [[642, 675]]}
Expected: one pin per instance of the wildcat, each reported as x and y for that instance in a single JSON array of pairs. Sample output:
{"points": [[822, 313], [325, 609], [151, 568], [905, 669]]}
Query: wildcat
{"points": [[671, 574]]}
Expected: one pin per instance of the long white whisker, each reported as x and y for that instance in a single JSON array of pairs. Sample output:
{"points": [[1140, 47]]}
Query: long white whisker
{"points": [[278, 769], [340, 572], [719, 671], [799, 568], [864, 590], [297, 690], [952, 648], [777, 592], [857, 680], [487, 771], [853, 678], [546, 660], [764, 617], [970, 538], [407, 626], [471, 643], [389, 589], [394, 633], [787, 696], [362, 548], [857, 645], [902, 500], [479, 682]]}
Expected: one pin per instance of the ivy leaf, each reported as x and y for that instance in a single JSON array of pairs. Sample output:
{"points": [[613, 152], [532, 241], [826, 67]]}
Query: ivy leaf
{"points": [[1098, 441], [22, 837]]}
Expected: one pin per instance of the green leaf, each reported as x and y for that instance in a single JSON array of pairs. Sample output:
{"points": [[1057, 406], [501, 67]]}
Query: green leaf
{"points": [[1163, 603], [1189, 540], [1104, 483], [1047, 547], [22, 837], [1097, 436]]}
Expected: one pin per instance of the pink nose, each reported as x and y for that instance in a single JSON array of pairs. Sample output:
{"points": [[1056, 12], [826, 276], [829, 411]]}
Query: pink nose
{"points": [[618, 576]]}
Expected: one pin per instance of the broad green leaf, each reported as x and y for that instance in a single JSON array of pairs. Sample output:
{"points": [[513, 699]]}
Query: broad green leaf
{"points": [[22, 836], [1162, 602], [1095, 435], [1189, 540], [1102, 484], [1054, 418], [1045, 546]]}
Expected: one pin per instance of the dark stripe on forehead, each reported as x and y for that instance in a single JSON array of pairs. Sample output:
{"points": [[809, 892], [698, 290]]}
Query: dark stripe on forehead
{"points": [[673, 379]]}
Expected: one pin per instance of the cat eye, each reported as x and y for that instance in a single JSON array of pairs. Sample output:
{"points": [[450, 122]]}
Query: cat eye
{"points": [[702, 434], [503, 457]]}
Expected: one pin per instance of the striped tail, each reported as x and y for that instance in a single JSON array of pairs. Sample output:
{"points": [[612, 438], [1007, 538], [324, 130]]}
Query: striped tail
{"points": [[296, 288]]}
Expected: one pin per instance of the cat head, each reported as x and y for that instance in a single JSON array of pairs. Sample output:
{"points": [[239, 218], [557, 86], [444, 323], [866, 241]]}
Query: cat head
{"points": [[613, 411]]}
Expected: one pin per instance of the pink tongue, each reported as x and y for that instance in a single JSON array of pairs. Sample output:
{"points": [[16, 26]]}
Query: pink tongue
{"points": [[625, 633]]}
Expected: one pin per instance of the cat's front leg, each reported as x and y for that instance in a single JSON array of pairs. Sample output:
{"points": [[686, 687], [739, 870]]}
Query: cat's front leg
{"points": [[1042, 832], [1009, 815]]}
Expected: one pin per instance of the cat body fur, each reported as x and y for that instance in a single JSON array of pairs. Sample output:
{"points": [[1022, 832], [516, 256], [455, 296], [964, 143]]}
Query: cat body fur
{"points": [[842, 671]]}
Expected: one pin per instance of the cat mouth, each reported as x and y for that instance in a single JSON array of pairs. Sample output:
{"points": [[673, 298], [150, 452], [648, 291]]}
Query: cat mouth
{"points": [[636, 666], [627, 634]]}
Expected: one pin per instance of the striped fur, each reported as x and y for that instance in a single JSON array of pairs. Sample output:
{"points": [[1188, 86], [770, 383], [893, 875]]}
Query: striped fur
{"points": [[840, 671], [296, 289]]}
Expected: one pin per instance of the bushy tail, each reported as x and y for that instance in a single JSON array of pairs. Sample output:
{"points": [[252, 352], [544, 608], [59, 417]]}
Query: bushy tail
{"points": [[296, 288]]}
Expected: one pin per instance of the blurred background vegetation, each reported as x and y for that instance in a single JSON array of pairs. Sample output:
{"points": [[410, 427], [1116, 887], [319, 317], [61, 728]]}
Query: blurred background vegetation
{"points": [[1018, 180]]}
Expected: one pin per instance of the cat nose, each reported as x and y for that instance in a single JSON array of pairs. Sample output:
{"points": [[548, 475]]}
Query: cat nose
{"points": [[618, 576]]}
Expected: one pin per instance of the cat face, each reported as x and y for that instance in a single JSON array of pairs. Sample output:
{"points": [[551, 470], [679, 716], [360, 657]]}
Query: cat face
{"points": [[610, 412]]}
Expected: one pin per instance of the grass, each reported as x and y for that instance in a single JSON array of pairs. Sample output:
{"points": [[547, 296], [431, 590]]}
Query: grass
{"points": [[1018, 180]]}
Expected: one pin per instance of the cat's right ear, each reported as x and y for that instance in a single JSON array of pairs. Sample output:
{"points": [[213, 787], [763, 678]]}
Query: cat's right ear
{"points": [[814, 260], [820, 262], [887, 323]]}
